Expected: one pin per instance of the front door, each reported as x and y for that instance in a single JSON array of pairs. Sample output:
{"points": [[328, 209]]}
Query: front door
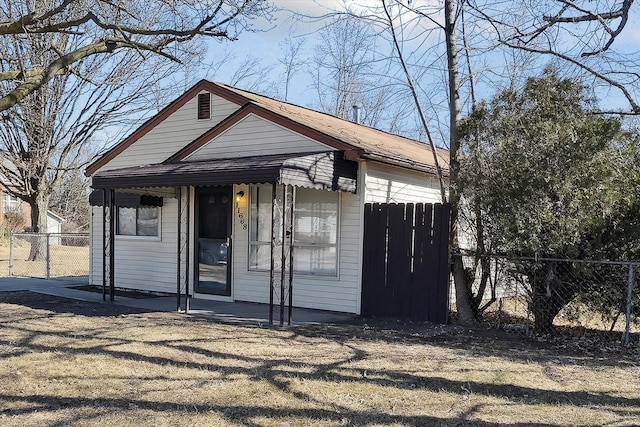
{"points": [[213, 220]]}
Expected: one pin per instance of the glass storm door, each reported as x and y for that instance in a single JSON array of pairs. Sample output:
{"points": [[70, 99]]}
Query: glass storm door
{"points": [[213, 220]]}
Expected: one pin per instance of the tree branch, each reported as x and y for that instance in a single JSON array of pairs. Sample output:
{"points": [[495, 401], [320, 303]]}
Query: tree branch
{"points": [[601, 17], [423, 119], [36, 78]]}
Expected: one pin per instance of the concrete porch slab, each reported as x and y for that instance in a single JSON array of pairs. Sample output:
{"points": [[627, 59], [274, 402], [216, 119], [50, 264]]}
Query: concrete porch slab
{"points": [[230, 312]]}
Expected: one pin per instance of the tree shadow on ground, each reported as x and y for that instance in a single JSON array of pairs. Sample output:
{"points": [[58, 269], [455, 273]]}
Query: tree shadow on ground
{"points": [[57, 304], [276, 371], [247, 416], [482, 340]]}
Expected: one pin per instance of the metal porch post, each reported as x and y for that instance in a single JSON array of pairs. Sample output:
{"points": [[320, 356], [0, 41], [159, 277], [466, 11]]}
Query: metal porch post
{"points": [[104, 245], [182, 273], [187, 252], [112, 246], [272, 265], [291, 236], [283, 252], [179, 251]]}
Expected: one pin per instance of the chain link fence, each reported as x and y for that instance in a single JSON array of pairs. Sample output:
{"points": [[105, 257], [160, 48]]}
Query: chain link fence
{"points": [[49, 255], [545, 295]]}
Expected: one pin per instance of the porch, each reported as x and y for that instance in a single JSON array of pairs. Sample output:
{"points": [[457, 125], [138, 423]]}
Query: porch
{"points": [[224, 230], [241, 313]]}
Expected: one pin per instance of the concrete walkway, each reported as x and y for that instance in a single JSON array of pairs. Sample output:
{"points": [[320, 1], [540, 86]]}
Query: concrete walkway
{"points": [[235, 312]]}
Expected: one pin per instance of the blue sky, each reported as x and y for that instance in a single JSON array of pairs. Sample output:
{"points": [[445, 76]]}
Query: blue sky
{"points": [[266, 46], [266, 42]]}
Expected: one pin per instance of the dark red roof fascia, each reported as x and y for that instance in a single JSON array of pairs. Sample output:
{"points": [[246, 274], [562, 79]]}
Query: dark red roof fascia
{"points": [[265, 114], [160, 117]]}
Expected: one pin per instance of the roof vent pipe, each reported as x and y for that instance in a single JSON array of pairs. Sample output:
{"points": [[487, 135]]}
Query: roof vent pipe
{"points": [[355, 117]]}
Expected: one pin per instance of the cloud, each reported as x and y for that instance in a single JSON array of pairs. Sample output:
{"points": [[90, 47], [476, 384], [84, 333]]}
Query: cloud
{"points": [[320, 7]]}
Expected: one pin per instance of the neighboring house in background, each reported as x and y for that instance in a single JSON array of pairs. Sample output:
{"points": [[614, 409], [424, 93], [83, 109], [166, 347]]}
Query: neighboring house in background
{"points": [[11, 204], [194, 202], [54, 226]]}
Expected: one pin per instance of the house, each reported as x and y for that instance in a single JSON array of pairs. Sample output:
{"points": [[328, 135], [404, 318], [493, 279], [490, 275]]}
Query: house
{"points": [[208, 197], [10, 204], [54, 226]]}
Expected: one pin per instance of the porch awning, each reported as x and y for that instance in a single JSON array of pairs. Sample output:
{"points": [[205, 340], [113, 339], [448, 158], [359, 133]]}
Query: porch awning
{"points": [[326, 170], [126, 200]]}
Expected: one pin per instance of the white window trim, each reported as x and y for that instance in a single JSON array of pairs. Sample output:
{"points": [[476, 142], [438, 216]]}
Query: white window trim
{"points": [[336, 276], [157, 238], [304, 274]]}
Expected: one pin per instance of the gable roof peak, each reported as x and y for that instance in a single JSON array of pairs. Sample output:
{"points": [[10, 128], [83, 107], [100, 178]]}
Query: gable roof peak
{"points": [[370, 142]]}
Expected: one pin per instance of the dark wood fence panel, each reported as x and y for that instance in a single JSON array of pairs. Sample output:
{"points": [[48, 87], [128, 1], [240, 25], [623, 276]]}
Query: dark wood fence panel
{"points": [[405, 266]]}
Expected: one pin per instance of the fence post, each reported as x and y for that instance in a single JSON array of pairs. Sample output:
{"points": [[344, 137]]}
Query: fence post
{"points": [[11, 254], [627, 327], [48, 256]]}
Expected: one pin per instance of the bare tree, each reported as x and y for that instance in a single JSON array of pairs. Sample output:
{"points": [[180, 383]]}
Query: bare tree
{"points": [[51, 132], [585, 38], [346, 72], [250, 74], [104, 27], [431, 40], [71, 201], [292, 61], [72, 70], [341, 61]]}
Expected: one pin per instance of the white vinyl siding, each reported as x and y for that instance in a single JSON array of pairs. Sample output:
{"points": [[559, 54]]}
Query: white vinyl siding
{"points": [[388, 184], [146, 264], [175, 132], [255, 136]]}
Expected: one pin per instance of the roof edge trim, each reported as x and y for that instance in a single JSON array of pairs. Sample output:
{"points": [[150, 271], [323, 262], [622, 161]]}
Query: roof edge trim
{"points": [[253, 108], [420, 167], [159, 117]]}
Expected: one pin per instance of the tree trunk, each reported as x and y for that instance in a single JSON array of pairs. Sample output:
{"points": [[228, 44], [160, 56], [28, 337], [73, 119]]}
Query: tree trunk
{"points": [[39, 225], [552, 290], [545, 309], [465, 311]]}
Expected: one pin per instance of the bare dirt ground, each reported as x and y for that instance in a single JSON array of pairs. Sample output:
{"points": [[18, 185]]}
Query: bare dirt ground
{"points": [[65, 362]]}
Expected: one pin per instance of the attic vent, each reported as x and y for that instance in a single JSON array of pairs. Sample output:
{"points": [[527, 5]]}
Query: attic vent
{"points": [[204, 106]]}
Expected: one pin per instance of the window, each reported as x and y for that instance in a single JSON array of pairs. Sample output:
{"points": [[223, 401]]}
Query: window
{"points": [[141, 221], [260, 227], [204, 106], [315, 230], [10, 203]]}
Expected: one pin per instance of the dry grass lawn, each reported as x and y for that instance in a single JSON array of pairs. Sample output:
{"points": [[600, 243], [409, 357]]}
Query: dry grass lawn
{"points": [[66, 363], [65, 261]]}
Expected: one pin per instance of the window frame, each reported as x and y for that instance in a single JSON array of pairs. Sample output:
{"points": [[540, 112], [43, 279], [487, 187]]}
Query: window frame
{"points": [[10, 203], [136, 236], [311, 245], [296, 244]]}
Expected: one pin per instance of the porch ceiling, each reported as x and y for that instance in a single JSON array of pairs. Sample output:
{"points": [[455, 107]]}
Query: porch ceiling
{"points": [[326, 170]]}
